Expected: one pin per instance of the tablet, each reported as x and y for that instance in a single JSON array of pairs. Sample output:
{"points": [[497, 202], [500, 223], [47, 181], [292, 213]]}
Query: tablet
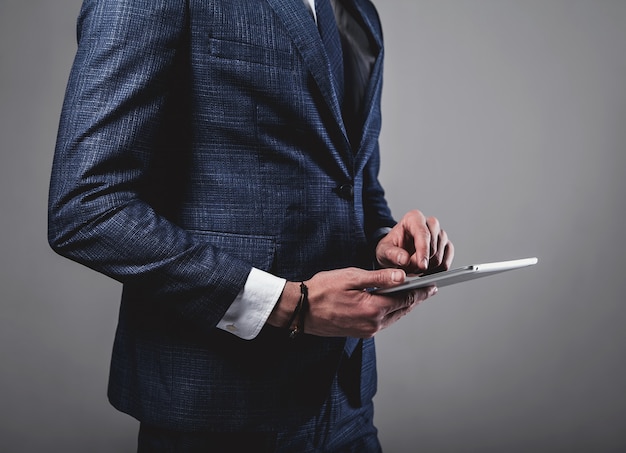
{"points": [[458, 275]]}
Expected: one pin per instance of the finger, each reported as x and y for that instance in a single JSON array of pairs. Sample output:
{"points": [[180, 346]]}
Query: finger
{"points": [[442, 241], [391, 255], [435, 231], [418, 233], [411, 300], [421, 294], [446, 261], [394, 317], [382, 278], [448, 256]]}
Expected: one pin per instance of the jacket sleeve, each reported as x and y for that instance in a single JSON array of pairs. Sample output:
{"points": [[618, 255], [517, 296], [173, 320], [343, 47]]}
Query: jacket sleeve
{"points": [[100, 214], [378, 217]]}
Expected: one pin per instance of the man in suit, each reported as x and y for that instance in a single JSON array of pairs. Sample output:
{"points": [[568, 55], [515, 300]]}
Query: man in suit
{"points": [[220, 160]]}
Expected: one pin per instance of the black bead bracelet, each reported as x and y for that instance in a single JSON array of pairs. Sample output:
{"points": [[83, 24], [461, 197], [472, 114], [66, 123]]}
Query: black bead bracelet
{"points": [[299, 313]]}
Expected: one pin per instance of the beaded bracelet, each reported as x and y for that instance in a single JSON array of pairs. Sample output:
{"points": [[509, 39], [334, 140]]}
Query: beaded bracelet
{"points": [[299, 312]]}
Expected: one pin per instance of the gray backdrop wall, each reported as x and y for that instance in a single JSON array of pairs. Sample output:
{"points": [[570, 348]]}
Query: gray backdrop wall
{"points": [[506, 119]]}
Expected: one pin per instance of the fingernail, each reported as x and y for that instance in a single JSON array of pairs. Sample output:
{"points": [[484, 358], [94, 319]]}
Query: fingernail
{"points": [[425, 263], [434, 290], [400, 259], [396, 276]]}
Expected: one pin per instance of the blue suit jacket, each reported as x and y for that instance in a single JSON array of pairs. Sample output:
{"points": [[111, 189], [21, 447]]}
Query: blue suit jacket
{"points": [[200, 138]]}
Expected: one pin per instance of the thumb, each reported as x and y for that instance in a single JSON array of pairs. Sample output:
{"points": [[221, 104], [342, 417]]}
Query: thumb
{"points": [[382, 278]]}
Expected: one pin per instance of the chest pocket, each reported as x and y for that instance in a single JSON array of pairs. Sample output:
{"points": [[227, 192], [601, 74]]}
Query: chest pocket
{"points": [[249, 31], [249, 53]]}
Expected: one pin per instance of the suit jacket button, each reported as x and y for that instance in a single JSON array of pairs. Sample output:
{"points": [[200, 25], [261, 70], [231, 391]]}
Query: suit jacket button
{"points": [[346, 191]]}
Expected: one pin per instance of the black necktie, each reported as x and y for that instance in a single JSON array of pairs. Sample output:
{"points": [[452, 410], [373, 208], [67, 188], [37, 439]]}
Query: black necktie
{"points": [[332, 42]]}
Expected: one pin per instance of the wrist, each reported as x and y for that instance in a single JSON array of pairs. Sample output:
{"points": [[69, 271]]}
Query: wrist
{"points": [[379, 234], [284, 308], [296, 321]]}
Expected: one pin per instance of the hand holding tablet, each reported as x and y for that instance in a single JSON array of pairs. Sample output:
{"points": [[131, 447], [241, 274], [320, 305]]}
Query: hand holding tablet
{"points": [[461, 274]]}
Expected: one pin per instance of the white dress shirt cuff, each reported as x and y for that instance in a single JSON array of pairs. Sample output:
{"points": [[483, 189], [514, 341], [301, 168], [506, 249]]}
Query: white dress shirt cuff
{"points": [[249, 311]]}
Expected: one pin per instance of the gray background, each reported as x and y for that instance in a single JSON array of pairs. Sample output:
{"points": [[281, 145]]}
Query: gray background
{"points": [[505, 119]]}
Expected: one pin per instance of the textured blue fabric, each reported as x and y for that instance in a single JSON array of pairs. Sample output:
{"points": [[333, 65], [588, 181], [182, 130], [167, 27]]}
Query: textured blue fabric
{"points": [[337, 428], [332, 43], [197, 139]]}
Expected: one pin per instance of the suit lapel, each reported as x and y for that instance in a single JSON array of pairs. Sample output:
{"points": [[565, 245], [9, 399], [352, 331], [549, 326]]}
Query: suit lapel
{"points": [[301, 26], [370, 109]]}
